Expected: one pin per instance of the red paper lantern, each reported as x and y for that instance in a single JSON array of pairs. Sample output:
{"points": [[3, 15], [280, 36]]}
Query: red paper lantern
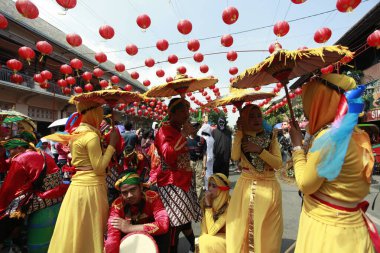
{"points": [[47, 75], [149, 62], [62, 83], [143, 21], [106, 31], [14, 65], [292, 95], [115, 79], [70, 80], [45, 85], [160, 72], [66, 69], [184, 26], [298, 91], [135, 75], [98, 72], [274, 46], [3, 22], [74, 39], [279, 85], [227, 40], [169, 79], [232, 79], [146, 83], [302, 48], [78, 89], [347, 5], [298, 1], [346, 59], [76, 64], [128, 87], [203, 68], [131, 49], [257, 88], [103, 83], [26, 53], [233, 70], [373, 40], [120, 67], [276, 89], [281, 28], [16, 78], [181, 70], [232, 55], [100, 57], [215, 90], [230, 15], [67, 4], [66, 91], [162, 45], [322, 35], [193, 45], [173, 59], [198, 57], [27, 9], [38, 78], [327, 70], [208, 98], [204, 93], [87, 76], [44, 47], [89, 87]]}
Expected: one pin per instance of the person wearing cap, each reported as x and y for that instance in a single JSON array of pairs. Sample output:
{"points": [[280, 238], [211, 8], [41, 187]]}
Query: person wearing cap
{"points": [[222, 147], [197, 148], [334, 173], [33, 177], [175, 176], [82, 219], [136, 210], [214, 208], [254, 218]]}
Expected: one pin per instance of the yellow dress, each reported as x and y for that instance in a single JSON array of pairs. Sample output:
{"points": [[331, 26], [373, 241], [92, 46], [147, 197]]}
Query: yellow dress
{"points": [[82, 218], [254, 217], [213, 236], [326, 229]]}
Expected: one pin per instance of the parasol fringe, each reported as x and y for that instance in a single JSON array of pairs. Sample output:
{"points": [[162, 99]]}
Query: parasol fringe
{"points": [[100, 93], [293, 55]]}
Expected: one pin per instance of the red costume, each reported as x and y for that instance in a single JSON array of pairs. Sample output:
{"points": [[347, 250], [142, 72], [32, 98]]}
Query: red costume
{"points": [[24, 170], [151, 213], [175, 160]]}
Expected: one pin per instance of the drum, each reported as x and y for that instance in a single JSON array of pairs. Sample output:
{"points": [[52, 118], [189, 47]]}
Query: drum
{"points": [[40, 228], [138, 242]]}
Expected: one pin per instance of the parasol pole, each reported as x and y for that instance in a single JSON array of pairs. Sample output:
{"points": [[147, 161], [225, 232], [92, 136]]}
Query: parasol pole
{"points": [[288, 100]]}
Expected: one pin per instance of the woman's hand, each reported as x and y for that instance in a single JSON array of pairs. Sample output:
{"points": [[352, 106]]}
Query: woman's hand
{"points": [[251, 147], [121, 224], [295, 134], [208, 198], [114, 137]]}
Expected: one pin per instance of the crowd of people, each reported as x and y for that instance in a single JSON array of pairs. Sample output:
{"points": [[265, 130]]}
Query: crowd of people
{"points": [[107, 188]]}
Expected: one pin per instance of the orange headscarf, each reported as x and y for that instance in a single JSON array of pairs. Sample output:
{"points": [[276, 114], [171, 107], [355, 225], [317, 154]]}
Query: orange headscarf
{"points": [[320, 104]]}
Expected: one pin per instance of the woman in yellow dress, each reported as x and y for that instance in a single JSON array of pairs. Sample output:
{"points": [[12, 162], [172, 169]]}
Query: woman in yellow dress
{"points": [[331, 219], [254, 217], [214, 208], [82, 218]]}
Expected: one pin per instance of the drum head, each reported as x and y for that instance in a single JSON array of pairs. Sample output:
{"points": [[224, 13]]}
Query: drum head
{"points": [[137, 243]]}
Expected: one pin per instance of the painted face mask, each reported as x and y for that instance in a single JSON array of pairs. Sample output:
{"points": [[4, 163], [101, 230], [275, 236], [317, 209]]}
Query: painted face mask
{"points": [[221, 124]]}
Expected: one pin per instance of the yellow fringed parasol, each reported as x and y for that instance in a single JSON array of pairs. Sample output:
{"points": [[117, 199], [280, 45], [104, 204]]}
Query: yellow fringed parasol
{"points": [[111, 97], [180, 86], [12, 116], [237, 97], [284, 65]]}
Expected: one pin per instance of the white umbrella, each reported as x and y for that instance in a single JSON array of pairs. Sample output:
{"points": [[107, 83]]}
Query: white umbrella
{"points": [[58, 122]]}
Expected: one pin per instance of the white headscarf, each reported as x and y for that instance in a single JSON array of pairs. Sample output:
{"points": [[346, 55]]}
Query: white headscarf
{"points": [[206, 128]]}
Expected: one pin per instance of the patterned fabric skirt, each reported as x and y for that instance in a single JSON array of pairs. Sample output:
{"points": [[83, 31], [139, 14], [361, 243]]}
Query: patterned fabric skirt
{"points": [[182, 207]]}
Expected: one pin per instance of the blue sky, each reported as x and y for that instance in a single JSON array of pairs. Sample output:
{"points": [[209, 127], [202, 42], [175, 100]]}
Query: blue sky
{"points": [[206, 17]]}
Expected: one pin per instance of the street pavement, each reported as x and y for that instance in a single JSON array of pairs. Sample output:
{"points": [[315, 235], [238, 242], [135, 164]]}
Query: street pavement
{"points": [[291, 203]]}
